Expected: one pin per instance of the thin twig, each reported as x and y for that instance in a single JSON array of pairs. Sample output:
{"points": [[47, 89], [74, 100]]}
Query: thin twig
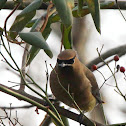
{"points": [[5, 24], [113, 74], [10, 109], [23, 68], [120, 51], [10, 5], [120, 10], [2, 123], [8, 62], [67, 91], [47, 77], [105, 81], [19, 107], [17, 122], [59, 120], [46, 121], [46, 18], [33, 82], [8, 117], [23, 96], [46, 98], [27, 97]]}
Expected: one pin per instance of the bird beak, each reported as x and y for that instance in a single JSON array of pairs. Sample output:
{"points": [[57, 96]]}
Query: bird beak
{"points": [[62, 64]]}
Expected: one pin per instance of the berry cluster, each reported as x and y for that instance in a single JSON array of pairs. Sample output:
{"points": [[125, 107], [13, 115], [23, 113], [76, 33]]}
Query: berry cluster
{"points": [[116, 58], [122, 69]]}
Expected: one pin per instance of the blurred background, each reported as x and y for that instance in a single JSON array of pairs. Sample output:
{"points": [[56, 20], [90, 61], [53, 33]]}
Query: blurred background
{"points": [[113, 34]]}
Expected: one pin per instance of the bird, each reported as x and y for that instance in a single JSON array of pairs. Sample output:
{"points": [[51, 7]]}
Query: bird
{"points": [[79, 82]]}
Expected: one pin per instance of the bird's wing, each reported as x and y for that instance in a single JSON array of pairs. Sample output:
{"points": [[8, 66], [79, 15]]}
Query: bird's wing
{"points": [[95, 89]]}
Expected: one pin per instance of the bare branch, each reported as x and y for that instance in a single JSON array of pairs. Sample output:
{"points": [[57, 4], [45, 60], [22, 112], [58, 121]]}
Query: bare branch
{"points": [[5, 23], [24, 96], [120, 51], [46, 121], [19, 94], [10, 5], [20, 107], [24, 59]]}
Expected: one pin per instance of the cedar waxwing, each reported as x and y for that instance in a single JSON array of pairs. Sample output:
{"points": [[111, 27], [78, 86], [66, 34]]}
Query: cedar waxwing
{"points": [[76, 78]]}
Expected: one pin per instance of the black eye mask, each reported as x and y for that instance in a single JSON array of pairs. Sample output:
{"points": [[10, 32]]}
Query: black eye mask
{"points": [[70, 61]]}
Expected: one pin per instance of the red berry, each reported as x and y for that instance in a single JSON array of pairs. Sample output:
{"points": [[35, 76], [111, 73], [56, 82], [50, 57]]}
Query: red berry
{"points": [[94, 67], [116, 58], [36, 110], [122, 69]]}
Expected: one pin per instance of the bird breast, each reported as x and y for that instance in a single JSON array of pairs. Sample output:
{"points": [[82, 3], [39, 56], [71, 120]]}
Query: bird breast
{"points": [[76, 84]]}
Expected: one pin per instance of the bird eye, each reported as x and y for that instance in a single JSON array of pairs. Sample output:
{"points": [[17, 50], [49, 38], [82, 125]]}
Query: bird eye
{"points": [[70, 61], [59, 61]]}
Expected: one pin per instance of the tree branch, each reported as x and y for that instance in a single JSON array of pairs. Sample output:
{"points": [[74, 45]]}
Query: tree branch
{"points": [[122, 5], [21, 95], [120, 51], [10, 5], [62, 111], [23, 67], [47, 120], [19, 107]]}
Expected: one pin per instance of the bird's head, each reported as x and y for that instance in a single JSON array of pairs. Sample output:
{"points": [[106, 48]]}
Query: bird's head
{"points": [[66, 58]]}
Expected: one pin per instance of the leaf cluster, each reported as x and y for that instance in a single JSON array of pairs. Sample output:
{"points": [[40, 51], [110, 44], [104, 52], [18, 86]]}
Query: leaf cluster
{"points": [[61, 11]]}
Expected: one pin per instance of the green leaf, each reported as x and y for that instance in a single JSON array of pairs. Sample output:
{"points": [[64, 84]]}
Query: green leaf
{"points": [[31, 23], [80, 6], [24, 17], [33, 52], [108, 4], [2, 3], [36, 39], [94, 9], [85, 9], [83, 12], [31, 7], [55, 18], [67, 41], [19, 24], [64, 8]]}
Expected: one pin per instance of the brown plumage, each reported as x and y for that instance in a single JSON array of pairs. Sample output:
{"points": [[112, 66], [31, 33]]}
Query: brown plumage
{"points": [[76, 77]]}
